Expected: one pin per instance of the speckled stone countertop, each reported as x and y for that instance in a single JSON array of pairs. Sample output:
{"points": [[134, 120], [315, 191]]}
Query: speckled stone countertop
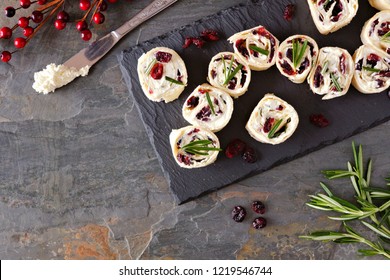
{"points": [[79, 178]]}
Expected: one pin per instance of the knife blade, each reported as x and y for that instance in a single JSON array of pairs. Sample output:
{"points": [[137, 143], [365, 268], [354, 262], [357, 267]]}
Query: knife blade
{"points": [[95, 51]]}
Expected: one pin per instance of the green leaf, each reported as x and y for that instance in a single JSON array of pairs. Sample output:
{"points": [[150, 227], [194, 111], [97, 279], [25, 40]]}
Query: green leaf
{"points": [[375, 229], [371, 69], [335, 82], [169, 79], [274, 129], [326, 189], [259, 50], [209, 102], [232, 74], [300, 54]]}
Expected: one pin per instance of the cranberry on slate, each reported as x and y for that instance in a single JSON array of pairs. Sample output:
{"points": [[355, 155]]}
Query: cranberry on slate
{"points": [[288, 12], [249, 155], [238, 214], [198, 42], [319, 120], [209, 35], [259, 223], [187, 42], [235, 148], [258, 207]]}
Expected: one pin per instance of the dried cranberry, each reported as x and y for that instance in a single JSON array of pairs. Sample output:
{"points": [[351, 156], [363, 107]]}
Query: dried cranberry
{"points": [[304, 65], [241, 47], [204, 114], [342, 64], [287, 68], [184, 159], [163, 57], [232, 83], [372, 59], [187, 42], [198, 42], [318, 78], [319, 120], [235, 148], [238, 214], [209, 35], [268, 124], [280, 108], [249, 155], [289, 12], [157, 71], [192, 102], [259, 223], [258, 207]]}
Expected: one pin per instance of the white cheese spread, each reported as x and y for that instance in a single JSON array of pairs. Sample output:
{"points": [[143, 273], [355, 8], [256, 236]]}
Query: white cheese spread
{"points": [[55, 76]]}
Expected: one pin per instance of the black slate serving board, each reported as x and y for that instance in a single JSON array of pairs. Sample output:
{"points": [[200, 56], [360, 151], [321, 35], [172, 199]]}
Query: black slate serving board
{"points": [[349, 114]]}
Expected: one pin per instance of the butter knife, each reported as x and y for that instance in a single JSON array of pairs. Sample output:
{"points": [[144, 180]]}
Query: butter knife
{"points": [[95, 51]]}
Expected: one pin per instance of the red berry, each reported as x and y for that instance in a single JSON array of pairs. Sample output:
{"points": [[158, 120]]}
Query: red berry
{"points": [[209, 35], [157, 71], [5, 33], [23, 22], [187, 42], [235, 148], [249, 155], [20, 42], [258, 207], [163, 57], [98, 18], [319, 120], [28, 31], [238, 214], [25, 3], [259, 223], [81, 25], [10, 11], [37, 16], [85, 4], [103, 6], [198, 42], [63, 16], [42, 2], [59, 24], [6, 56], [86, 34]]}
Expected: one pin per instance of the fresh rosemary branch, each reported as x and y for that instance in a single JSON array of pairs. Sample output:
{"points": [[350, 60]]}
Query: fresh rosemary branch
{"points": [[274, 129], [375, 216], [210, 102], [298, 52], [335, 82], [199, 147]]}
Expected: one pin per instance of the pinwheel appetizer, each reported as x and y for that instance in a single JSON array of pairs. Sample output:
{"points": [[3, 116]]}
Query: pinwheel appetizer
{"points": [[372, 70], [194, 147], [208, 107], [296, 56], [162, 74], [380, 4], [331, 15], [332, 74], [256, 46], [273, 120], [229, 73], [376, 32]]}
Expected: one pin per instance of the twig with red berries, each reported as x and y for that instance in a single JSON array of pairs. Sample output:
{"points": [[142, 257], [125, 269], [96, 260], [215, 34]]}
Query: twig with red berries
{"points": [[45, 11]]}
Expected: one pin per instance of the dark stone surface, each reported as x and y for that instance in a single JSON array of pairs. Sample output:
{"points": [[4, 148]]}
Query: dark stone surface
{"points": [[348, 115], [79, 178]]}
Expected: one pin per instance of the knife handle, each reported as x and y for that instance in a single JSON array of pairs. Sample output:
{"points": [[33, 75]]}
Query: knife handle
{"points": [[149, 11]]}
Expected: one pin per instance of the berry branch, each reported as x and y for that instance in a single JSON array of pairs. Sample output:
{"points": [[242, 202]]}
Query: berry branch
{"points": [[50, 10]]}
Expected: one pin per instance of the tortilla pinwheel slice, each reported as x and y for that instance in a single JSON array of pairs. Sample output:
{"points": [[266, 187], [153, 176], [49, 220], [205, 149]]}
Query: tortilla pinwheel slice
{"points": [[332, 74], [372, 70], [256, 46], [380, 4], [296, 56], [208, 107], [331, 15], [194, 147], [162, 74], [376, 32], [273, 120], [229, 73]]}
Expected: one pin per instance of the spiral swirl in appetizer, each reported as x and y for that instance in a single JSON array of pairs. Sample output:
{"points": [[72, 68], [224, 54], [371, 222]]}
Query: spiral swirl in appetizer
{"points": [[229, 73], [331, 15], [273, 120], [256, 46], [380, 4], [296, 56], [332, 74], [194, 147], [208, 107], [372, 70], [162, 74], [376, 32]]}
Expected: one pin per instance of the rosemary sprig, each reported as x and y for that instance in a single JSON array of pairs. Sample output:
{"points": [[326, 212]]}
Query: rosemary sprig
{"points": [[228, 71], [298, 52], [169, 79], [259, 50], [199, 147], [232, 74], [335, 82], [325, 67], [210, 103], [150, 66], [371, 69], [274, 129], [364, 210]]}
